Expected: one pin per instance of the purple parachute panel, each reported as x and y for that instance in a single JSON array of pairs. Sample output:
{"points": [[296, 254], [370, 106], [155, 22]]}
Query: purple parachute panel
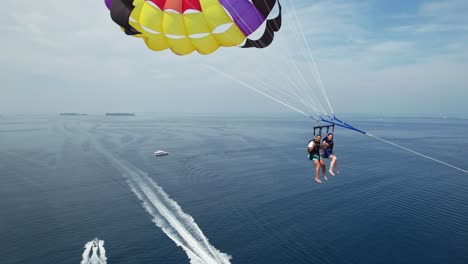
{"points": [[108, 3], [245, 15]]}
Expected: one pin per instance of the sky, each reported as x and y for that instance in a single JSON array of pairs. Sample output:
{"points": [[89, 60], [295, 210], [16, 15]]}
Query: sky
{"points": [[377, 57]]}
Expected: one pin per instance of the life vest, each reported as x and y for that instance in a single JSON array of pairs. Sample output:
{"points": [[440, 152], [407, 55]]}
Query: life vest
{"points": [[315, 150]]}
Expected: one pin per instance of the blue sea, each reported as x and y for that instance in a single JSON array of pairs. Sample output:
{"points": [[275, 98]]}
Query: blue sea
{"points": [[233, 189]]}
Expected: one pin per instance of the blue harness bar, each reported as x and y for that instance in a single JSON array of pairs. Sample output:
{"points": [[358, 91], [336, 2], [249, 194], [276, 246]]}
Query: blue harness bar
{"points": [[335, 118], [343, 124], [319, 128]]}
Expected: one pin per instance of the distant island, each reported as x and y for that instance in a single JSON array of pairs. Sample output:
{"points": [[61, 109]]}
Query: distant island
{"points": [[120, 114], [72, 114]]}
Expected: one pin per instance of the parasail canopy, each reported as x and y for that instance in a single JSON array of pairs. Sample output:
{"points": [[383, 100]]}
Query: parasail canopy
{"points": [[202, 25]]}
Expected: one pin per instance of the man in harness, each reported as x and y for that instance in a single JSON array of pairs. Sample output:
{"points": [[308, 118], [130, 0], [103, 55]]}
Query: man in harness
{"points": [[314, 154]]}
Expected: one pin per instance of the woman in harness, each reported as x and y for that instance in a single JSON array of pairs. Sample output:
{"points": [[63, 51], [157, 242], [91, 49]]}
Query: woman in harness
{"points": [[314, 155], [328, 153]]}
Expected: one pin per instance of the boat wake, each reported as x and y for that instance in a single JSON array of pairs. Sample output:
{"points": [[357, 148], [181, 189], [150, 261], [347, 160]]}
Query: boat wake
{"points": [[169, 216], [94, 252]]}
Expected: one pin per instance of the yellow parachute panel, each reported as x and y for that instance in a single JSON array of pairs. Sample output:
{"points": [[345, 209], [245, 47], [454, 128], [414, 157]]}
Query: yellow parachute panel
{"points": [[156, 43], [150, 19], [200, 33], [216, 18]]}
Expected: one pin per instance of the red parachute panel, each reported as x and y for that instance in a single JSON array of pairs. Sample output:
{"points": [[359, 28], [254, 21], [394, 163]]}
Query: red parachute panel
{"points": [[191, 4], [159, 3]]}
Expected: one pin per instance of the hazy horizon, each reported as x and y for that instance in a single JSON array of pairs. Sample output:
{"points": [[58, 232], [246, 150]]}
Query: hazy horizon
{"points": [[246, 114]]}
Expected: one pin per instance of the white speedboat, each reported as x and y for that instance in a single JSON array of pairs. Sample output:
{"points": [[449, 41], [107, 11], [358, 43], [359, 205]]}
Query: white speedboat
{"points": [[160, 153], [98, 254]]}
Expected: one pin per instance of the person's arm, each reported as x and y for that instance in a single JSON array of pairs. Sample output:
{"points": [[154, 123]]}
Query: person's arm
{"points": [[311, 146], [324, 145]]}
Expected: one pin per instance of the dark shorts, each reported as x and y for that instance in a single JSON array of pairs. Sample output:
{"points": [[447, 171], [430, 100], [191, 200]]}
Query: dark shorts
{"points": [[327, 153]]}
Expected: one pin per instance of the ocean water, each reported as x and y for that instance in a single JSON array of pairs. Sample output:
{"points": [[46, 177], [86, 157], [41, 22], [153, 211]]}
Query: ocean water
{"points": [[234, 189]]}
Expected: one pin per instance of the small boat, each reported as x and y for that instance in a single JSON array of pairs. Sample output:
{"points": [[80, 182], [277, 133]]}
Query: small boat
{"points": [[160, 153], [95, 242]]}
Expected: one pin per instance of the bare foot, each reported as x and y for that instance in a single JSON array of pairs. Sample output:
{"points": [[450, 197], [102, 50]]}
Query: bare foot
{"points": [[318, 180], [325, 177], [331, 172]]}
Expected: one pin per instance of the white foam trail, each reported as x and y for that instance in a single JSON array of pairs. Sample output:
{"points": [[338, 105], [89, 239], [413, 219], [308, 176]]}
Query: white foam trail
{"points": [[102, 252], [168, 216], [98, 255], [94, 257], [85, 255]]}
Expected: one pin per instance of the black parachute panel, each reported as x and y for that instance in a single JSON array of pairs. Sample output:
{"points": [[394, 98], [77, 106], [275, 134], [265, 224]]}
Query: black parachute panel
{"points": [[120, 12], [272, 25]]}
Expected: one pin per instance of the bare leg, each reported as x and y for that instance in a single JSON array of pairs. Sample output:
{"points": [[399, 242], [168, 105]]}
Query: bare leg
{"points": [[335, 165], [317, 170], [324, 169], [332, 164]]}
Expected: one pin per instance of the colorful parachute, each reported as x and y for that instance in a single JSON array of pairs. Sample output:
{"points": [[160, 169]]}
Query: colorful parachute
{"points": [[202, 25]]}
